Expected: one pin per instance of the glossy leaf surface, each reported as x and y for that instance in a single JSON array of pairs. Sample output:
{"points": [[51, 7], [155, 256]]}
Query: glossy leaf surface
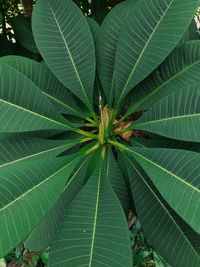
{"points": [[117, 181], [43, 235], [176, 116], [179, 70], [175, 173], [64, 39], [176, 242], [23, 107], [107, 44], [28, 191], [85, 238], [144, 43], [41, 76], [21, 149]]}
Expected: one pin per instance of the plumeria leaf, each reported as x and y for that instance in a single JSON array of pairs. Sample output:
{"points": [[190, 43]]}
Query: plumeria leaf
{"points": [[144, 43], [40, 75], [28, 191], [179, 70], [156, 216], [176, 116], [85, 238], [23, 107], [64, 39], [175, 174], [43, 235]]}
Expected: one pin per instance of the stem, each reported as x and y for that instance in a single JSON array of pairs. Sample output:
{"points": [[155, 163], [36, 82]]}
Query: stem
{"points": [[103, 152], [94, 131], [86, 139], [95, 117], [122, 131], [88, 125], [92, 149], [93, 136], [116, 124], [90, 120], [112, 121], [115, 143]]}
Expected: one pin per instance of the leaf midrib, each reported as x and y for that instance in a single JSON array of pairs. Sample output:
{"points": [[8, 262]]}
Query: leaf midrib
{"points": [[71, 58], [95, 217], [34, 113], [164, 170], [74, 175], [167, 119], [141, 54], [35, 187], [32, 155], [187, 240], [166, 82], [61, 103]]}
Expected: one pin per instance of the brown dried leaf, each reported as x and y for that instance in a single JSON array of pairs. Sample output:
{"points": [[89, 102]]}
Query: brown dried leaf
{"points": [[131, 219], [105, 117], [123, 125]]}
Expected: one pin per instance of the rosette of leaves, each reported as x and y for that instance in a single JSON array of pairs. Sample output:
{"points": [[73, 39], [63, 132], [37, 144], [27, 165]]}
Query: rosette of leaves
{"points": [[68, 172]]}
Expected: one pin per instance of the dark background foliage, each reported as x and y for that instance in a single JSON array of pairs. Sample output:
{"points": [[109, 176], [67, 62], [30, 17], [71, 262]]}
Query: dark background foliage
{"points": [[15, 24]]}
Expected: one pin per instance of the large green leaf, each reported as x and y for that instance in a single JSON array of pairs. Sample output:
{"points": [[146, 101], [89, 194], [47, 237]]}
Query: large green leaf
{"points": [[176, 115], [42, 236], [167, 232], [34, 134], [117, 180], [28, 191], [150, 33], [21, 149], [23, 32], [175, 173], [94, 229], [23, 107], [156, 141], [179, 70], [94, 28], [47, 82], [64, 39], [107, 44]]}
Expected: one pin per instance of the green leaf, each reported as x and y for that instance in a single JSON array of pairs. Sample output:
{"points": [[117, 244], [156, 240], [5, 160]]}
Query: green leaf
{"points": [[176, 116], [43, 235], [96, 236], [34, 134], [21, 149], [23, 32], [175, 173], [64, 39], [167, 232], [23, 107], [150, 33], [39, 73], [155, 141], [107, 44], [94, 28], [28, 191], [180, 69], [121, 160], [191, 33], [116, 180]]}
